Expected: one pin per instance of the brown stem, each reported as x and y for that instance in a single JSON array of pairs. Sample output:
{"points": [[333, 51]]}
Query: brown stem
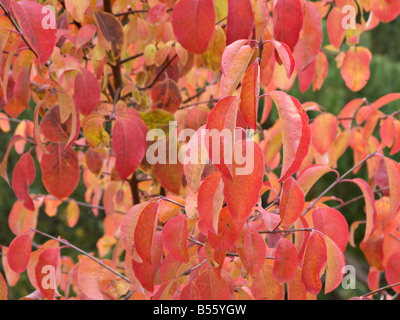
{"points": [[133, 183]]}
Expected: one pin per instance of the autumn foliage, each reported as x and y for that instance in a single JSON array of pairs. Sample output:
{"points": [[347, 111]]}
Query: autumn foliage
{"points": [[99, 76]]}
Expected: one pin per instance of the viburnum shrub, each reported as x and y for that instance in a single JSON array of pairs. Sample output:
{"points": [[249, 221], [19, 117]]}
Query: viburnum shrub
{"points": [[160, 109]]}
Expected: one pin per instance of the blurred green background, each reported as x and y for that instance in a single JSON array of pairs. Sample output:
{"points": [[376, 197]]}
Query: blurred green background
{"points": [[385, 78]]}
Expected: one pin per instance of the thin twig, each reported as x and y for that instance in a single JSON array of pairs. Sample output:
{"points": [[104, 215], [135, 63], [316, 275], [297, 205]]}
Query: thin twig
{"points": [[64, 242], [341, 178], [390, 286]]}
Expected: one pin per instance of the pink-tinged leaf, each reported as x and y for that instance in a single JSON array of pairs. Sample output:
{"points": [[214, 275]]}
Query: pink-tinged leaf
{"points": [[219, 140], [292, 202], [235, 60], [210, 200], [240, 20], [31, 17], [334, 265], [310, 175], [285, 55], [11, 276], [285, 261], [3, 288], [145, 232], [190, 292], [288, 21], [250, 94], [355, 68], [23, 176], [393, 171], [324, 129], [312, 33], [175, 234], [332, 223], [129, 141], [45, 272], [305, 74], [20, 219], [349, 110], [195, 159], [212, 286], [335, 31], [392, 270], [19, 253], [193, 22], [296, 132], [314, 261], [229, 231], [250, 173], [87, 92], [370, 208], [128, 227], [385, 10], [60, 170]]}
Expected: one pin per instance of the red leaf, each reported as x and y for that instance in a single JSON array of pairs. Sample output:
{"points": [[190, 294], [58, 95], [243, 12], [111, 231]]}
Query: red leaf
{"points": [[19, 252], [250, 94], [385, 10], [30, 16], [228, 231], [239, 200], [60, 170], [288, 21], [296, 132], [222, 122], [285, 55], [86, 92], [312, 33], [129, 141], [333, 224], [285, 262], [23, 176], [315, 258], [292, 202], [193, 22], [392, 270], [240, 20], [190, 292], [175, 234], [48, 258], [210, 199], [212, 286], [145, 272], [145, 232], [255, 249]]}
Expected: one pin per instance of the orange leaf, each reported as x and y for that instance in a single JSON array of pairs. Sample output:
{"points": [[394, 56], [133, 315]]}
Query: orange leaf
{"points": [[212, 286], [355, 68]]}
